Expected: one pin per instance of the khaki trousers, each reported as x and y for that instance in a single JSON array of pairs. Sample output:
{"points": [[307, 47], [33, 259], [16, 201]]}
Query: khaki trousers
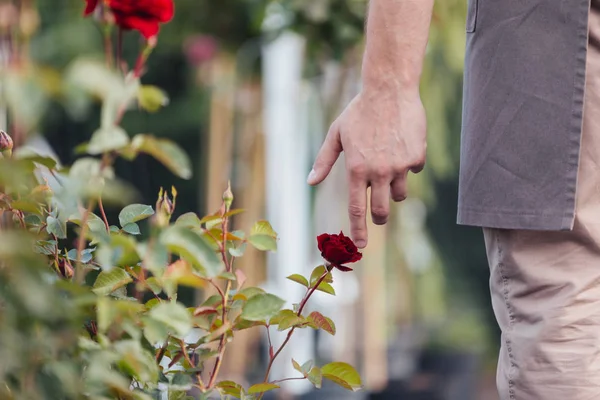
{"points": [[546, 285]]}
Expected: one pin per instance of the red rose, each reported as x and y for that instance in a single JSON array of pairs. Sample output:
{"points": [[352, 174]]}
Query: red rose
{"points": [[338, 250], [142, 15], [90, 6]]}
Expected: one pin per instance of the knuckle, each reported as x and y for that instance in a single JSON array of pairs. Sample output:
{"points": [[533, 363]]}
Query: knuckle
{"points": [[356, 211], [382, 172], [357, 170]]}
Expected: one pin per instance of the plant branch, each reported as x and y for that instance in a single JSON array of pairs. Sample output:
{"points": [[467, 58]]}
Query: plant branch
{"points": [[291, 332], [192, 364], [103, 214], [225, 297]]}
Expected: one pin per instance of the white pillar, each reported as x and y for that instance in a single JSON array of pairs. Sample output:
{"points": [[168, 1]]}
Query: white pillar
{"points": [[287, 163]]}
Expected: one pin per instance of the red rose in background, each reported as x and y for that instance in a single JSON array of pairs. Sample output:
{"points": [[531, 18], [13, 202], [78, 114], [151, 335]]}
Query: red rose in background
{"points": [[90, 6], [142, 15], [338, 250]]}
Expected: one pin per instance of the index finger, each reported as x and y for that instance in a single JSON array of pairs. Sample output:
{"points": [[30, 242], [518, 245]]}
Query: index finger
{"points": [[357, 211]]}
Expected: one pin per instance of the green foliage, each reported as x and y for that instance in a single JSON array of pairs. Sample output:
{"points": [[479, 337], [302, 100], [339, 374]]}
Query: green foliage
{"points": [[89, 308]]}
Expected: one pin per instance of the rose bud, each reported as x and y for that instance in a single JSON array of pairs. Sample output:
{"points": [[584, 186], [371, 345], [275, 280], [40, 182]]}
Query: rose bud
{"points": [[6, 144]]}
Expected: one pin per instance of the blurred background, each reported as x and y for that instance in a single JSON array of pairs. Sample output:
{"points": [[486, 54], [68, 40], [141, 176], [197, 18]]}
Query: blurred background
{"points": [[253, 87]]}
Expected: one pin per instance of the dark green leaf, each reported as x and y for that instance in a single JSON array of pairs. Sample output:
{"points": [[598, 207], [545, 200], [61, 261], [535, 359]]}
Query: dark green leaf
{"points": [[132, 228], [109, 281], [134, 213], [56, 227]]}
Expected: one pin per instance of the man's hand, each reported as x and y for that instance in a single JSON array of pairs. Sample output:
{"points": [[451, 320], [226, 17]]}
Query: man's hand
{"points": [[382, 132], [383, 137]]}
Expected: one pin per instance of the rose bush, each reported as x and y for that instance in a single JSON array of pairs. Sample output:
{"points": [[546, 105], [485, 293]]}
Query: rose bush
{"points": [[89, 306]]}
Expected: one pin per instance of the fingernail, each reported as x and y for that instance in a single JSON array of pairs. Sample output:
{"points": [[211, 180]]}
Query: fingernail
{"points": [[311, 176], [361, 243]]}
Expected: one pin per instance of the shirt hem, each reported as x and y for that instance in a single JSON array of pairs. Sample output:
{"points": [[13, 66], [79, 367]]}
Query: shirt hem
{"points": [[552, 221]]}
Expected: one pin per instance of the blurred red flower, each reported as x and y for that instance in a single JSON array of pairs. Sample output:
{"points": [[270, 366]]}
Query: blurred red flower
{"points": [[338, 250], [141, 15]]}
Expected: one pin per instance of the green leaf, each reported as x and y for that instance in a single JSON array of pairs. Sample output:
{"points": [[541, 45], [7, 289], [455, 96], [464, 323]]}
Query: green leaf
{"points": [[321, 322], [194, 248], [151, 98], [297, 366], [108, 282], [248, 293], [132, 228], [318, 273], [165, 151], [134, 213], [326, 287], [263, 228], [262, 307], [107, 139], [189, 220], [56, 227], [173, 315], [285, 319], [26, 206], [298, 279], [263, 242], [154, 285], [238, 251], [262, 388], [86, 255], [343, 374], [136, 361], [307, 366], [315, 377], [230, 388]]}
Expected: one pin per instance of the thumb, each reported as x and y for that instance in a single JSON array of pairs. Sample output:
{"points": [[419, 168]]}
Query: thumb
{"points": [[328, 155]]}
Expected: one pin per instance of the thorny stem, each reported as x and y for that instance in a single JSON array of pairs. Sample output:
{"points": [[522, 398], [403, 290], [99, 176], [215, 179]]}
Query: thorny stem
{"points": [[192, 364], [79, 271], [224, 296], [103, 214], [291, 332], [163, 350]]}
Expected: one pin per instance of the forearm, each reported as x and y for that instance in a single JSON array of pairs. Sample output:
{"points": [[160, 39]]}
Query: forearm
{"points": [[397, 33]]}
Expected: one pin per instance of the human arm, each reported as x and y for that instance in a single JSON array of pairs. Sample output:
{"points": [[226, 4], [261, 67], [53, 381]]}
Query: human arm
{"points": [[382, 132]]}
